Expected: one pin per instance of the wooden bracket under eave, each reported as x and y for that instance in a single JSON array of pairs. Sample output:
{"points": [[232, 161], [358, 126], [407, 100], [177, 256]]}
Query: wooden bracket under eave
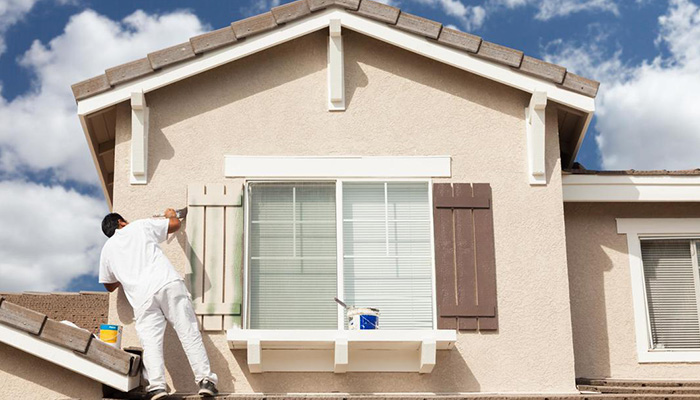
{"points": [[139, 139], [336, 70], [535, 128]]}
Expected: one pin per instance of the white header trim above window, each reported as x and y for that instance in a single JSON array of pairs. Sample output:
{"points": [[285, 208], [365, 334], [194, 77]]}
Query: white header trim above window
{"points": [[636, 229], [337, 167]]}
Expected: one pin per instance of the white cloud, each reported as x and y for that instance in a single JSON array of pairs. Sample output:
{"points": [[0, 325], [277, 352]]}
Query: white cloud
{"points": [[11, 12], [40, 130], [50, 235], [548, 9], [470, 17], [647, 114]]}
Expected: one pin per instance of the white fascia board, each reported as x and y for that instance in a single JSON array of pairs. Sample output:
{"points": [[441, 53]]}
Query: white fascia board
{"points": [[337, 167], [630, 188], [66, 358], [417, 44]]}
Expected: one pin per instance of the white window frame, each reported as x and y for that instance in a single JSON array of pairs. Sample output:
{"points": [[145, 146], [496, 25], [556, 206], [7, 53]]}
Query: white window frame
{"points": [[638, 229], [245, 318]]}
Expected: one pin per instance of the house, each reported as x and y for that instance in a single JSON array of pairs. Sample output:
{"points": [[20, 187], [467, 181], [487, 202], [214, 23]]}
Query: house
{"points": [[345, 148]]}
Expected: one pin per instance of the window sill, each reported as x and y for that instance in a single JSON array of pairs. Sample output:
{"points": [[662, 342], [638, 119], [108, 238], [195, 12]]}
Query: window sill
{"points": [[668, 356], [341, 351]]}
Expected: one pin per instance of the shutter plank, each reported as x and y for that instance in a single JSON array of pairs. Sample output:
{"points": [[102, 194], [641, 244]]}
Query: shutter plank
{"points": [[444, 255], [464, 257], [485, 258], [233, 261], [195, 241], [213, 258]]}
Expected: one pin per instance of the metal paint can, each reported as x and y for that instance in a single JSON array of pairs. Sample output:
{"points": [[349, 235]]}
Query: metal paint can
{"points": [[111, 334], [363, 318]]}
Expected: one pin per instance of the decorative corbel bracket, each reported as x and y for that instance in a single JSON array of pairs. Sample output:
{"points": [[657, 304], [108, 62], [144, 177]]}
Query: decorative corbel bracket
{"points": [[336, 71], [139, 139], [534, 128]]}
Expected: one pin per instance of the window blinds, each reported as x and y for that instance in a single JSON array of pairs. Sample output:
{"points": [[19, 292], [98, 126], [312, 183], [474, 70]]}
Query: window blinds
{"points": [[671, 280], [292, 264], [387, 251]]}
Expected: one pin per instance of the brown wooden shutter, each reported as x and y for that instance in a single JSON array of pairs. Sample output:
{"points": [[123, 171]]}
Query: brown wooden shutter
{"points": [[465, 262]]}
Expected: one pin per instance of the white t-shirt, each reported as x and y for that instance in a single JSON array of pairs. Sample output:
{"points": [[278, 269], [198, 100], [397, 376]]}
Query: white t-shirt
{"points": [[133, 258]]}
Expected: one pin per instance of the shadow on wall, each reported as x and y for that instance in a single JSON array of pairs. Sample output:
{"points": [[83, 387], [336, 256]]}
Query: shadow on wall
{"points": [[177, 365], [21, 372], [588, 263], [413, 67], [237, 81], [451, 374]]}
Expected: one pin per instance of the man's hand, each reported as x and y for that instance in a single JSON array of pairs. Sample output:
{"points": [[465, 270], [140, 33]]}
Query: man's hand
{"points": [[174, 223]]}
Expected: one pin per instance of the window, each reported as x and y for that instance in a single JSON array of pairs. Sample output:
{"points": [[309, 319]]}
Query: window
{"points": [[377, 254], [671, 283], [663, 256]]}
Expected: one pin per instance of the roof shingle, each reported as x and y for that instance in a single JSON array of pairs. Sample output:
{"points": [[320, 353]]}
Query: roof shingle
{"points": [[368, 8]]}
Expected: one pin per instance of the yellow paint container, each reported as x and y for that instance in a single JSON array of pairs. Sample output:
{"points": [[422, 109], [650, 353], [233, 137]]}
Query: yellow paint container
{"points": [[111, 334]]}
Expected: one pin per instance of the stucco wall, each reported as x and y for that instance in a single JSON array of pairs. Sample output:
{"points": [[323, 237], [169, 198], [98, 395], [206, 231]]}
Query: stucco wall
{"points": [[23, 376], [398, 103], [601, 290]]}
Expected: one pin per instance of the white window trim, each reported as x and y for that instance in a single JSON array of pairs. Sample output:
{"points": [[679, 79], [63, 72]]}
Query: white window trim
{"points": [[245, 317], [636, 229]]}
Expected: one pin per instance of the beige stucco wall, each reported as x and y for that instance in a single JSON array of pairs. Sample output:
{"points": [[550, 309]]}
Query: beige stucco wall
{"points": [[601, 290], [23, 376], [398, 103]]}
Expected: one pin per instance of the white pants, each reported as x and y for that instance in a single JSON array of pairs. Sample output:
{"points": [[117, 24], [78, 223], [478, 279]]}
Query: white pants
{"points": [[172, 303]]}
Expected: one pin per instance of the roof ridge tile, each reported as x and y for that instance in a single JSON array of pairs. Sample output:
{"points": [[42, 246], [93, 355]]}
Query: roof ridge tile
{"points": [[375, 10], [254, 25], [290, 11], [171, 55]]}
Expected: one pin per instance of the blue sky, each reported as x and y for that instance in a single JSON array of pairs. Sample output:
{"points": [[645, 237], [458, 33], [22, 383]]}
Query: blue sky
{"points": [[646, 54]]}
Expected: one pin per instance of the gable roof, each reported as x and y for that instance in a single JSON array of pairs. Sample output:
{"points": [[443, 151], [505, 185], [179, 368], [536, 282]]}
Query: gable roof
{"points": [[73, 348], [234, 34]]}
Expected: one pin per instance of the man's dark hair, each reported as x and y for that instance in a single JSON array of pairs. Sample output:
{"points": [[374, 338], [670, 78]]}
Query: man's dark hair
{"points": [[110, 223]]}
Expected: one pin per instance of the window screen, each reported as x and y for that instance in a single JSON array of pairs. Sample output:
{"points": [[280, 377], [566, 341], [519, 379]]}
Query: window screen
{"points": [[670, 276], [292, 250], [387, 251]]}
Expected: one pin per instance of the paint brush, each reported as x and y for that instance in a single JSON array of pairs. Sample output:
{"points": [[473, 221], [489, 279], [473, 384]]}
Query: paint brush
{"points": [[180, 214]]}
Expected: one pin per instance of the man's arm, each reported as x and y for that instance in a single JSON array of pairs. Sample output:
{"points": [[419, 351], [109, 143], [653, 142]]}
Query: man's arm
{"points": [[173, 223], [111, 286]]}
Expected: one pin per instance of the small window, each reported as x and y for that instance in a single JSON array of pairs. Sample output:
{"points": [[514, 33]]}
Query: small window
{"points": [[295, 266], [672, 285]]}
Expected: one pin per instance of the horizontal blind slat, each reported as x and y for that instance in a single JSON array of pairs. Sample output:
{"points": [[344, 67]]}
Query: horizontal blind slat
{"points": [[671, 293], [292, 256], [387, 253]]}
